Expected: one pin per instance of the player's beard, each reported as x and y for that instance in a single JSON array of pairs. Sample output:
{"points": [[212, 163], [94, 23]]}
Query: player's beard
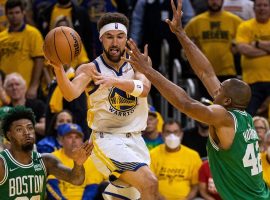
{"points": [[27, 147], [112, 58]]}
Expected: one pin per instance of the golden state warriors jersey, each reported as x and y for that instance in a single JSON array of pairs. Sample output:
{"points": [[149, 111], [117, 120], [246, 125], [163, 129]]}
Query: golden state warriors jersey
{"points": [[113, 110]]}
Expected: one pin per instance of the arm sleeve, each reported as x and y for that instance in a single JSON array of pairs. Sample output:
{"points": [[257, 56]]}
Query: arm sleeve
{"points": [[53, 190]]}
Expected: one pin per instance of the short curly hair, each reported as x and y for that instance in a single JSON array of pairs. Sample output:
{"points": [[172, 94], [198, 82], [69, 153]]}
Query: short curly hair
{"points": [[110, 17], [15, 114]]}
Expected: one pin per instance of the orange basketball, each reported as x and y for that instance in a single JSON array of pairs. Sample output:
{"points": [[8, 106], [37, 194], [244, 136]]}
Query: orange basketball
{"points": [[62, 45]]}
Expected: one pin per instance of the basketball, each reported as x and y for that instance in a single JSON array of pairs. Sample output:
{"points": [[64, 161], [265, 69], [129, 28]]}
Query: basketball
{"points": [[62, 45]]}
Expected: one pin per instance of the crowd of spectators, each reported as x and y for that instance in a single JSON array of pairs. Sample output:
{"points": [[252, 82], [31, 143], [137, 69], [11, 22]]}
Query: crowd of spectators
{"points": [[233, 34]]}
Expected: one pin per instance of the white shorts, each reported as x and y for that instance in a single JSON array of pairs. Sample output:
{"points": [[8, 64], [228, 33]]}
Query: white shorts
{"points": [[115, 153]]}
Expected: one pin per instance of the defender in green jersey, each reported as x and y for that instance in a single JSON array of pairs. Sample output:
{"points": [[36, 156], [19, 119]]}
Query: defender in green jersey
{"points": [[233, 148], [23, 171]]}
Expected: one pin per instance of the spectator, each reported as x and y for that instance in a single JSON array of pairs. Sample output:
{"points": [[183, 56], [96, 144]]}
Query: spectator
{"points": [[95, 10], [196, 138], [151, 135], [71, 137], [213, 32], [21, 48], [51, 142], [261, 126], [266, 160], [15, 87], [3, 18], [77, 15], [176, 166], [4, 98], [254, 44], [241, 8], [207, 186]]}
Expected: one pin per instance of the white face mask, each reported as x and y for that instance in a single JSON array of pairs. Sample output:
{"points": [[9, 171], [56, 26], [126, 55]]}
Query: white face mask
{"points": [[172, 141]]}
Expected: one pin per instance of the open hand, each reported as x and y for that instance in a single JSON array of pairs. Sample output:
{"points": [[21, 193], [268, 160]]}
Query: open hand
{"points": [[176, 24], [140, 61], [80, 155]]}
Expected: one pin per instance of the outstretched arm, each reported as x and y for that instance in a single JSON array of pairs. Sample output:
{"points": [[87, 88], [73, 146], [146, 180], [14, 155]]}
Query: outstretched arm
{"points": [[75, 175], [199, 63]]}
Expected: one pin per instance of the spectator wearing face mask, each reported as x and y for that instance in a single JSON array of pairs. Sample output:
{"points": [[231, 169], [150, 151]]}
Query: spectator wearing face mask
{"points": [[176, 166]]}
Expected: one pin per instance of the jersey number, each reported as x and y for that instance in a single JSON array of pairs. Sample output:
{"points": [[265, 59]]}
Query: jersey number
{"points": [[37, 197], [250, 159]]}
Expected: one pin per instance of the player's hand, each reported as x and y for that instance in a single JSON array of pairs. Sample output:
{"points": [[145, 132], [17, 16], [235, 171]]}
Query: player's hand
{"points": [[80, 155], [54, 64], [104, 81], [176, 24], [140, 61]]}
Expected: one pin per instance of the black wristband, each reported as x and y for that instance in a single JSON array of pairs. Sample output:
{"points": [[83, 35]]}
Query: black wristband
{"points": [[257, 44]]}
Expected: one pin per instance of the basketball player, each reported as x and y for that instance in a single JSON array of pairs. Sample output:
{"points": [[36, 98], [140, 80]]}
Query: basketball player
{"points": [[23, 171], [118, 111], [233, 148]]}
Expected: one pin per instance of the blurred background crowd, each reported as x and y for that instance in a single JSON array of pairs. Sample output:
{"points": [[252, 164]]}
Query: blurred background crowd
{"points": [[233, 34]]}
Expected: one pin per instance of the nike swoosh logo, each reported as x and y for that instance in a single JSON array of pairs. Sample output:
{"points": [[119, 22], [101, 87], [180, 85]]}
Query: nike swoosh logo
{"points": [[11, 170]]}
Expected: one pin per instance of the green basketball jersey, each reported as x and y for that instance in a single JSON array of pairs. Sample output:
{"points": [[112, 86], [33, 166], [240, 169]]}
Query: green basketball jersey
{"points": [[237, 172], [23, 182]]}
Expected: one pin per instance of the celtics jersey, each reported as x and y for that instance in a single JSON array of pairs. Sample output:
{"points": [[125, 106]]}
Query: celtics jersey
{"points": [[237, 172], [23, 182]]}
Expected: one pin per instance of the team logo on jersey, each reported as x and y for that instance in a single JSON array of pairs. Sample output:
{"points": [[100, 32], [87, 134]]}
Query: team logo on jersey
{"points": [[37, 167], [122, 104]]}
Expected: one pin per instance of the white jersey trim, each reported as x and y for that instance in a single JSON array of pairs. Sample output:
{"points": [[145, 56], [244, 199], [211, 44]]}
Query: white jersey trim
{"points": [[16, 162], [6, 170]]}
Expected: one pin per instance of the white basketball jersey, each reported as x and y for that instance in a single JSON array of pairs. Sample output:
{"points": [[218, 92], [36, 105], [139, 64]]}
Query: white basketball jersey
{"points": [[113, 110]]}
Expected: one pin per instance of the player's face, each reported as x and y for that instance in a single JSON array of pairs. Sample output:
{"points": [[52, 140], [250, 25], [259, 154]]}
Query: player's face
{"points": [[15, 16], [215, 5], [22, 134], [15, 88], [260, 129], [262, 10], [63, 118], [114, 43], [71, 141], [220, 96]]}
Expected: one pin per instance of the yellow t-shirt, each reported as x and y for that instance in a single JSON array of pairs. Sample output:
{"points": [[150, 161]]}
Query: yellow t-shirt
{"points": [[3, 18], [17, 50], [254, 69], [92, 176], [56, 12], [176, 172], [214, 36], [266, 169], [82, 58]]}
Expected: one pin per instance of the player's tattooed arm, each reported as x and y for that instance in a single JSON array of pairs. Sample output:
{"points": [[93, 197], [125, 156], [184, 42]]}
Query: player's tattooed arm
{"points": [[75, 176]]}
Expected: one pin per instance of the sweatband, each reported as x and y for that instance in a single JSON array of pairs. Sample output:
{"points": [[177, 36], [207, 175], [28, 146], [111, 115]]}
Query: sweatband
{"points": [[112, 26], [138, 88]]}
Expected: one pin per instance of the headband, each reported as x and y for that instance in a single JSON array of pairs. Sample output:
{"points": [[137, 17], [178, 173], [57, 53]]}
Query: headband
{"points": [[112, 26]]}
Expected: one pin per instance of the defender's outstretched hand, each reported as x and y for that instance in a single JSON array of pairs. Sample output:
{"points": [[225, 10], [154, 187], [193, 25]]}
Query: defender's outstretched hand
{"points": [[80, 155], [176, 24], [140, 61]]}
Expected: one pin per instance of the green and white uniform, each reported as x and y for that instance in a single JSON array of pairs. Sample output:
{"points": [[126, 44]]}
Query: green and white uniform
{"points": [[23, 182], [237, 172]]}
